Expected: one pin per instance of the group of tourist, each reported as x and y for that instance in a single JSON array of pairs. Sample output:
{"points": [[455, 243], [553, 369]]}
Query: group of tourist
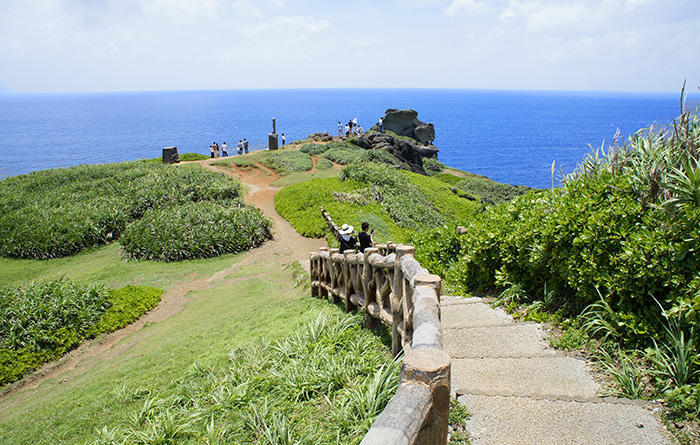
{"points": [[348, 238], [351, 128], [222, 152]]}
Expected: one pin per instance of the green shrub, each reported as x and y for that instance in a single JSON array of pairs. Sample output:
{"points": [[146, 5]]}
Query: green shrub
{"points": [[195, 230], [343, 153], [325, 383], [433, 165], [192, 157], [323, 164], [492, 190], [44, 320], [313, 149], [54, 213], [289, 161], [383, 157]]}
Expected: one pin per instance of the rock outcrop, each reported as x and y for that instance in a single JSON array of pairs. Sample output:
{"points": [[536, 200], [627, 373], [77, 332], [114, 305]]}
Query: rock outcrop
{"points": [[406, 123], [406, 152]]}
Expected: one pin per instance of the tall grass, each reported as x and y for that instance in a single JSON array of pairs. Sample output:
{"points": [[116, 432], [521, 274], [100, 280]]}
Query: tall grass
{"points": [[55, 213], [325, 383]]}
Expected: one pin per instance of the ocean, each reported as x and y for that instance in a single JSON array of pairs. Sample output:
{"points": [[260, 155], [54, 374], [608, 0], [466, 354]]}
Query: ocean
{"points": [[509, 136]]}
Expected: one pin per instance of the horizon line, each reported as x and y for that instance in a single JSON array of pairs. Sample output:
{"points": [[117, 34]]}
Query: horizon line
{"points": [[9, 92]]}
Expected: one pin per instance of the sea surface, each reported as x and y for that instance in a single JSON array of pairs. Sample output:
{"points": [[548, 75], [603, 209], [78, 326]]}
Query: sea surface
{"points": [[509, 136]]}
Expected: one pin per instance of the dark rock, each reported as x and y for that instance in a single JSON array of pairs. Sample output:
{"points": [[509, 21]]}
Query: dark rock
{"points": [[453, 190], [487, 201], [406, 123], [466, 196], [322, 137], [425, 133], [407, 153]]}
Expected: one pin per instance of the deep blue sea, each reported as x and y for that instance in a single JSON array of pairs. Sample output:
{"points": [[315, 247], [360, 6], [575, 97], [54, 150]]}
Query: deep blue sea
{"points": [[509, 136]]}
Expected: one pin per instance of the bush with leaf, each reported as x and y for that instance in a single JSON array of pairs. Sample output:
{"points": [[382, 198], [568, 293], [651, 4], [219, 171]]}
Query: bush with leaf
{"points": [[44, 320], [195, 230], [55, 213], [285, 162]]}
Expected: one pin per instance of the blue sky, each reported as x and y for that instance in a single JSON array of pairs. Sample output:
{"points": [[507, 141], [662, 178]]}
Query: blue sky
{"points": [[124, 45]]}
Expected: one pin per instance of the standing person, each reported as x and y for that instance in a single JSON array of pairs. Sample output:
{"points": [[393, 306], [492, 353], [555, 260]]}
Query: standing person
{"points": [[347, 241], [283, 139], [347, 130], [360, 130], [245, 144], [240, 147], [216, 150], [211, 149], [365, 238], [224, 150], [381, 125], [340, 130]]}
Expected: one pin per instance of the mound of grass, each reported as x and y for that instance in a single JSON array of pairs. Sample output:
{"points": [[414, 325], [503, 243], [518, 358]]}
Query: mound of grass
{"points": [[325, 383], [433, 165], [192, 157], [323, 164], [42, 321], [343, 153], [195, 230], [300, 204], [491, 190], [289, 161], [393, 202], [314, 149], [55, 213]]}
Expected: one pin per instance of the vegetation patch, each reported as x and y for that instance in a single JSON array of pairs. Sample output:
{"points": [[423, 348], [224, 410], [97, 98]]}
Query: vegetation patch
{"points": [[195, 230], [325, 383], [289, 161], [343, 153], [314, 149], [616, 247], [55, 213], [192, 157], [432, 165], [323, 164], [44, 320]]}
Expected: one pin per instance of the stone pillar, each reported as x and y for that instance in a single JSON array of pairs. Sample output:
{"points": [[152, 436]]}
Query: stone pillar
{"points": [[370, 288], [397, 307], [272, 141], [431, 367], [170, 155]]}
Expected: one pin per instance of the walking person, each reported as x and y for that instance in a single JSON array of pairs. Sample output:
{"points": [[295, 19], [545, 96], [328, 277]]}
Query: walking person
{"points": [[224, 150], [340, 130], [240, 147], [283, 139], [245, 144], [381, 125]]}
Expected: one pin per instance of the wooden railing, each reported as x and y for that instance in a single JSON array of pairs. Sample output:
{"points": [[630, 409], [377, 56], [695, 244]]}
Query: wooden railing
{"points": [[390, 286]]}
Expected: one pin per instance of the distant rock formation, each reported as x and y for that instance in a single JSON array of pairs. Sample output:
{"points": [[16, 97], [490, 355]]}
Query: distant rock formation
{"points": [[320, 137], [406, 123], [406, 152]]}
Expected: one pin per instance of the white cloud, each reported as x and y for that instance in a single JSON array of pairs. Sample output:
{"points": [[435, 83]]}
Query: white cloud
{"points": [[517, 8], [182, 11], [470, 6], [633, 5], [246, 7], [286, 24], [558, 15]]}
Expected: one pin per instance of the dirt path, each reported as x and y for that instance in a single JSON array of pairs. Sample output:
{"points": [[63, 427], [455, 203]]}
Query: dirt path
{"points": [[286, 247]]}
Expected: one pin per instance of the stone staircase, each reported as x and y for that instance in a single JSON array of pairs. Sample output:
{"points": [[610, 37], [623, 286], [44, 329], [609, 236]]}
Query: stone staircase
{"points": [[521, 391]]}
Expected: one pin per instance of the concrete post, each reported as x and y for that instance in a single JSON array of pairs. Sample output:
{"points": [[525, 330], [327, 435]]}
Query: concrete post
{"points": [[431, 367], [370, 288], [397, 307]]}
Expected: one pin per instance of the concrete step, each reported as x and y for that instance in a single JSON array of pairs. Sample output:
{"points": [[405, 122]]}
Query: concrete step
{"points": [[517, 420], [448, 300], [538, 377], [472, 315], [514, 340]]}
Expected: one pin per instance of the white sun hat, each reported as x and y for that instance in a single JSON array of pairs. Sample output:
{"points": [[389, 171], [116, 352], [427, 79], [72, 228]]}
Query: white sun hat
{"points": [[346, 229]]}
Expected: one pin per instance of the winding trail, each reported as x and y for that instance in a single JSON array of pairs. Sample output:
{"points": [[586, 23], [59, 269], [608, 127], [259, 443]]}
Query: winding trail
{"points": [[521, 391], [286, 247]]}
